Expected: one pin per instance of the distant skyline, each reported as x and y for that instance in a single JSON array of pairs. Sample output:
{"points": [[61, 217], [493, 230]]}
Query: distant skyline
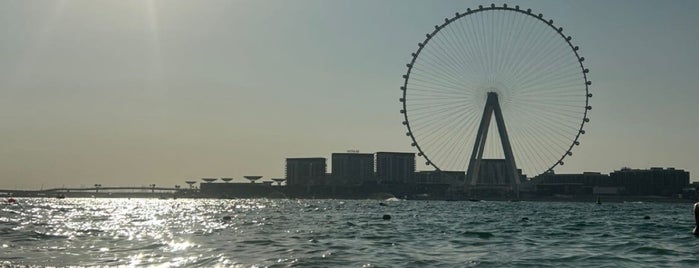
{"points": [[158, 92]]}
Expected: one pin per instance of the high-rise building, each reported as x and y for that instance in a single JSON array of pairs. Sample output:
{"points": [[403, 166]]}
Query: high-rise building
{"points": [[305, 171], [352, 168], [394, 167]]}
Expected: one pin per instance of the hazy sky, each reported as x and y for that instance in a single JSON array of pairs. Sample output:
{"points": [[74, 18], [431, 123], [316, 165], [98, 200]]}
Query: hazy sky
{"points": [[139, 92]]}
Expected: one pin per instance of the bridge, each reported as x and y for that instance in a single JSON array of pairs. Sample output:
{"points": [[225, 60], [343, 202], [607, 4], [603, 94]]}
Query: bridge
{"points": [[110, 188], [100, 191]]}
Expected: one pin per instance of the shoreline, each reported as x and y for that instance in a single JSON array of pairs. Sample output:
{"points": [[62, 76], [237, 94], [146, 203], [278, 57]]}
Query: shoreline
{"points": [[576, 199]]}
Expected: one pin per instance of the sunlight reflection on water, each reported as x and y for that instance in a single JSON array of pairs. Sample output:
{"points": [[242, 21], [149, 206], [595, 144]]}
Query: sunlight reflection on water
{"points": [[262, 232]]}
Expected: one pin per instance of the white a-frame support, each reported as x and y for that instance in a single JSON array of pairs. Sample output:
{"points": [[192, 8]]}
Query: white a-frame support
{"points": [[492, 106]]}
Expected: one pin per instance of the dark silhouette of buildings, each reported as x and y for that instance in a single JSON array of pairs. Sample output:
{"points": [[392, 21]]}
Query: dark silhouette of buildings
{"points": [[394, 167], [573, 184], [352, 168], [653, 181], [239, 190], [637, 182], [455, 178], [393, 174], [305, 171]]}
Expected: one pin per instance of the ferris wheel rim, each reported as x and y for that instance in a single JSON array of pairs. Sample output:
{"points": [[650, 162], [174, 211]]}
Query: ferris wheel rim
{"points": [[493, 7]]}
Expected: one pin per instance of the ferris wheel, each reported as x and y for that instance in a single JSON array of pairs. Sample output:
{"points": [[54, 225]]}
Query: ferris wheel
{"points": [[503, 62]]}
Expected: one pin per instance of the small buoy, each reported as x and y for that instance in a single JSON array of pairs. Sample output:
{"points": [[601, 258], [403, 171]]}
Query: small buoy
{"points": [[646, 217], [226, 218], [525, 219], [11, 200], [382, 204], [599, 201], [386, 217]]}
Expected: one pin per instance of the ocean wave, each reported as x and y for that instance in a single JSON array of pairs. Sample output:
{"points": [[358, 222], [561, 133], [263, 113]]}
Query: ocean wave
{"points": [[293, 233]]}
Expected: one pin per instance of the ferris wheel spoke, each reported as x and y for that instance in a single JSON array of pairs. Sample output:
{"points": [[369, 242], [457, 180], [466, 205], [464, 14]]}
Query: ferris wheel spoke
{"points": [[532, 38], [546, 111], [462, 45], [501, 49], [430, 117], [517, 28], [432, 105], [483, 61], [547, 72], [546, 148], [467, 126], [548, 77], [553, 87], [436, 109], [433, 119], [443, 78], [436, 85], [567, 106], [539, 125], [516, 57], [488, 39], [437, 78], [433, 138], [538, 137], [438, 89], [532, 150], [522, 152], [449, 66], [458, 55], [427, 112], [456, 64], [425, 91], [563, 96], [560, 119], [430, 60], [550, 58], [468, 43], [557, 136], [445, 141], [427, 99], [553, 101]]}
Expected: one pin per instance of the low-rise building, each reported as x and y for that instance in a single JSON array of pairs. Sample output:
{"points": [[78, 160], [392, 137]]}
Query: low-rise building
{"points": [[654, 181]]}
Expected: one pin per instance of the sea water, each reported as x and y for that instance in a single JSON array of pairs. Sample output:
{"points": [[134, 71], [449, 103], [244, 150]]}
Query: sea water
{"points": [[338, 233]]}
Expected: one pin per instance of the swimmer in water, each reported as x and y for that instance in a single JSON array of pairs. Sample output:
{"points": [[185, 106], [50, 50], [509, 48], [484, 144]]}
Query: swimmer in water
{"points": [[696, 214]]}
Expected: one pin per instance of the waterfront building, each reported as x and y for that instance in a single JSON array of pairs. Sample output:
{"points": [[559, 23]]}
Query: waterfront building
{"points": [[305, 171], [352, 168], [454, 178], [238, 190], [573, 184], [653, 181], [393, 167]]}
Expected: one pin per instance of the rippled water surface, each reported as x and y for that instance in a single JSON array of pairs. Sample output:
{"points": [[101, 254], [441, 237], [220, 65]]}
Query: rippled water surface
{"points": [[330, 233]]}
